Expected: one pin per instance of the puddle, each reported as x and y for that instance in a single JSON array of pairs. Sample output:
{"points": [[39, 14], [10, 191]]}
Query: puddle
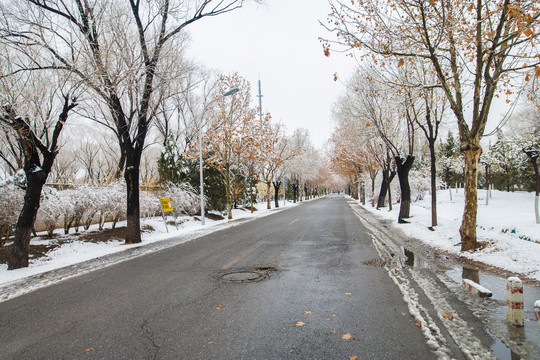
{"points": [[529, 333]]}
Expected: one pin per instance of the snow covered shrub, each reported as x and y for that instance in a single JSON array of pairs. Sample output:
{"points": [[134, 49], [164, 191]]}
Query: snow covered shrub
{"points": [[420, 182], [111, 202], [11, 198], [184, 198], [50, 210], [90, 195], [149, 204]]}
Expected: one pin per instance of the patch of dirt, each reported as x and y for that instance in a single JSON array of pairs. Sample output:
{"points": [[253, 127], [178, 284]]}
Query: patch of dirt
{"points": [[104, 235], [39, 251], [214, 217], [35, 251]]}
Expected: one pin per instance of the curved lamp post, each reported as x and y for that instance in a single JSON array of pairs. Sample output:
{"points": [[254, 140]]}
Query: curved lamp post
{"points": [[230, 92]]}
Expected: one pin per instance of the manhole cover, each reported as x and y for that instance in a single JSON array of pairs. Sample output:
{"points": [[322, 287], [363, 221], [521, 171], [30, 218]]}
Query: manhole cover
{"points": [[375, 262], [241, 276]]}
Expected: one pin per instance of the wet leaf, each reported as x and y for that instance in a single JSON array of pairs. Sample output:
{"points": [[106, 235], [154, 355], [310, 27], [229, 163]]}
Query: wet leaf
{"points": [[418, 324], [300, 323], [346, 336]]}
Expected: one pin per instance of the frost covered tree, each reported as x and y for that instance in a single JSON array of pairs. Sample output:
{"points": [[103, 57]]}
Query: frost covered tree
{"points": [[35, 115], [474, 47]]}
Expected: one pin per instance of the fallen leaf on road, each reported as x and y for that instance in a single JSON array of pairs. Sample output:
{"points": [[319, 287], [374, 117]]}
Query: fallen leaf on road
{"points": [[418, 324], [353, 357], [346, 336], [89, 349], [210, 342], [334, 315], [300, 323], [219, 307], [441, 271], [445, 315], [334, 332], [348, 293], [355, 239], [307, 312], [471, 329], [403, 314]]}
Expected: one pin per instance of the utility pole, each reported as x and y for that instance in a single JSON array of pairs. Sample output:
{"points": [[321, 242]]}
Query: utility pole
{"points": [[260, 101]]}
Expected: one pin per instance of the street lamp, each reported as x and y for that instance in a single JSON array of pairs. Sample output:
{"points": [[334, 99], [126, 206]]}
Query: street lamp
{"points": [[230, 92]]}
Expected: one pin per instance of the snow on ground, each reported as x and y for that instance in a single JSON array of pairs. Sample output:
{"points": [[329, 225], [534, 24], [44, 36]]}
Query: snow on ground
{"points": [[75, 251], [506, 224]]}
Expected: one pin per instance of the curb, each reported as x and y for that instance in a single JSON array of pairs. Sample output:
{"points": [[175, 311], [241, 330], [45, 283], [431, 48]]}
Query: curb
{"points": [[476, 289]]}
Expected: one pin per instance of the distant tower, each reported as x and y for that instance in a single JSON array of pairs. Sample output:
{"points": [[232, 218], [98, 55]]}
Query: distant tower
{"points": [[260, 101]]}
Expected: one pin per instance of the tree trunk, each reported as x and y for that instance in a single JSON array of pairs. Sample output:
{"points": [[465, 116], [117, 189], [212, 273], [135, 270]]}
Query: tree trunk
{"points": [[433, 183], [403, 168], [228, 191], [467, 230], [277, 185], [133, 232], [381, 200], [27, 218], [268, 195]]}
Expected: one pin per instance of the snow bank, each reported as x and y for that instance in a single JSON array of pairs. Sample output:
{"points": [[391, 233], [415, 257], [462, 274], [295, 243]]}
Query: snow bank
{"points": [[507, 226]]}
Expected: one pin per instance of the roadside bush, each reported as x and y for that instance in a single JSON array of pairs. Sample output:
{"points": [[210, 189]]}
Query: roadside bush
{"points": [[11, 198], [184, 197]]}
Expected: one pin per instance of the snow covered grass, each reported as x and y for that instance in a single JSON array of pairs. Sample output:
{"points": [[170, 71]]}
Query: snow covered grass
{"points": [[507, 226], [73, 249]]}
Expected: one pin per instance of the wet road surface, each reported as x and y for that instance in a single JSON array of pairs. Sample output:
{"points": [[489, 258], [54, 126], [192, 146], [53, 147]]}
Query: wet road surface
{"points": [[310, 282]]}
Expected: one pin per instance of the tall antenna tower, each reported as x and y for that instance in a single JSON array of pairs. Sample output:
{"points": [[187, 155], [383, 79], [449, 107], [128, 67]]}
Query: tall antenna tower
{"points": [[260, 101]]}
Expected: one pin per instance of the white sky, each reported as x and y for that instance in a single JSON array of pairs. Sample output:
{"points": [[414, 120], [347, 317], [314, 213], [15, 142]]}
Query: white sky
{"points": [[277, 42]]}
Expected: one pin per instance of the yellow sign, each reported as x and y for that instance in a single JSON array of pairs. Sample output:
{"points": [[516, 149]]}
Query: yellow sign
{"points": [[166, 204]]}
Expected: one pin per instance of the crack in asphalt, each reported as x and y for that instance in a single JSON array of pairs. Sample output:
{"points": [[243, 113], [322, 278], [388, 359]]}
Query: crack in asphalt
{"points": [[149, 335]]}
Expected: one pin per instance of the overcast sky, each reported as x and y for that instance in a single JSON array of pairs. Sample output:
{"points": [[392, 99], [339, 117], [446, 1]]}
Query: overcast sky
{"points": [[277, 42]]}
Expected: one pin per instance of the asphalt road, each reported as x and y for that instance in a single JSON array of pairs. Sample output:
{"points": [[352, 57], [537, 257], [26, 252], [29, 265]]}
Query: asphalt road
{"points": [[315, 299]]}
